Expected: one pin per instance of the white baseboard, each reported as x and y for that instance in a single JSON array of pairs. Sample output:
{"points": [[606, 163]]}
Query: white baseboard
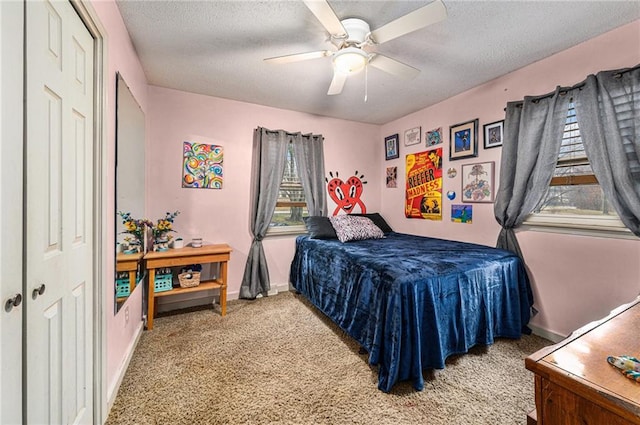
{"points": [[113, 391], [275, 290], [279, 287], [543, 333], [193, 299]]}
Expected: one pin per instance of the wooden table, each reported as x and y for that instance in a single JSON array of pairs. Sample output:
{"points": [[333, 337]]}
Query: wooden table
{"points": [[129, 263], [574, 384], [182, 257]]}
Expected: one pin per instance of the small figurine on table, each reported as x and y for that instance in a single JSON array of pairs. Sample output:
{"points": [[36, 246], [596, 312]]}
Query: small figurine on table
{"points": [[628, 366]]}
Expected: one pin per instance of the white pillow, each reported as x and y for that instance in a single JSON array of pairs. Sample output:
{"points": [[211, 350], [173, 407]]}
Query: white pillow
{"points": [[355, 228]]}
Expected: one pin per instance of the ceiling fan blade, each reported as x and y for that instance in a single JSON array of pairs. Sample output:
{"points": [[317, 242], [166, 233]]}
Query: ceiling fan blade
{"points": [[420, 18], [337, 83], [299, 57], [327, 17], [394, 67]]}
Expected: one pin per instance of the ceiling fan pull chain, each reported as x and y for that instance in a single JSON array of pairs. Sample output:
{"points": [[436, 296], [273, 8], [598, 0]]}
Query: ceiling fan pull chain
{"points": [[366, 81]]}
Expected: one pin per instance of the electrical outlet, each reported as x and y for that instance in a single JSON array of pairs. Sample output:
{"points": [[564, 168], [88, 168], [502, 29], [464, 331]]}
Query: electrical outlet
{"points": [[126, 314]]}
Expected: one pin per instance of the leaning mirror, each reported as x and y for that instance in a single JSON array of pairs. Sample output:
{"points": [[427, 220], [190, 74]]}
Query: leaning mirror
{"points": [[129, 193]]}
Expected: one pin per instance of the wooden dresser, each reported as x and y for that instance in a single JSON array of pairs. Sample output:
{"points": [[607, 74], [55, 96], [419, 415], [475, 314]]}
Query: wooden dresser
{"points": [[574, 384]]}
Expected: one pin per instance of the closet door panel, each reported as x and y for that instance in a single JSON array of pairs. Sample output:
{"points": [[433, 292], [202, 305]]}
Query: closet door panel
{"points": [[59, 210], [11, 136]]}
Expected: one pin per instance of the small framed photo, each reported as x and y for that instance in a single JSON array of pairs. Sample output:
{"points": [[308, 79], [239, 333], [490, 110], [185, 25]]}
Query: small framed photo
{"points": [[412, 136], [433, 137], [477, 182], [493, 134], [392, 176], [462, 214], [463, 140], [391, 147]]}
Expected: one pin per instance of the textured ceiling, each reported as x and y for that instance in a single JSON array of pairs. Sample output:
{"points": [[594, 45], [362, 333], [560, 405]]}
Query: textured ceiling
{"points": [[217, 48]]}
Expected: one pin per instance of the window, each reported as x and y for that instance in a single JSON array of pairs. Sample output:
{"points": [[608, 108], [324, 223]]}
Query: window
{"points": [[575, 199], [291, 206]]}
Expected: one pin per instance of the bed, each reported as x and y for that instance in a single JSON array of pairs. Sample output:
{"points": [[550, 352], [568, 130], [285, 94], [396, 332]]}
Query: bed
{"points": [[412, 301]]}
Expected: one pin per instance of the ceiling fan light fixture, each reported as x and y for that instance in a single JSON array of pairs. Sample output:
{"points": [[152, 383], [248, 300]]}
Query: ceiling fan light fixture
{"points": [[357, 30], [350, 60]]}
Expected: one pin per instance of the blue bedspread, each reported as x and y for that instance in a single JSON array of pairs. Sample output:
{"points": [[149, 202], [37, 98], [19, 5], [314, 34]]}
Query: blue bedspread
{"points": [[412, 301]]}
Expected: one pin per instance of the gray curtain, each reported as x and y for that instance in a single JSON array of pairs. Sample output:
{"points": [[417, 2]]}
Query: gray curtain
{"points": [[309, 156], [269, 155], [608, 112], [532, 139]]}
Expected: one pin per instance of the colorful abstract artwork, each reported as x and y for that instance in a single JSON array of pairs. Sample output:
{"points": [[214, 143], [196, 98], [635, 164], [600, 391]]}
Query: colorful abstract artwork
{"points": [[424, 185], [462, 213], [347, 194], [202, 166]]}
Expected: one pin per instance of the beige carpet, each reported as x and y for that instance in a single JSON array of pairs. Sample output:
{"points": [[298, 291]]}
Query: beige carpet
{"points": [[277, 360]]}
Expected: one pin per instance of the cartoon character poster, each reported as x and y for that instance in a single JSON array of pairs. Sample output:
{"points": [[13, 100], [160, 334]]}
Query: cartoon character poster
{"points": [[347, 194], [434, 137], [201, 166], [424, 185], [462, 214]]}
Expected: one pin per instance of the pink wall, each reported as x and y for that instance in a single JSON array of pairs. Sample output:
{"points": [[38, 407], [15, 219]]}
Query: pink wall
{"points": [[576, 279], [222, 216], [121, 58], [598, 274]]}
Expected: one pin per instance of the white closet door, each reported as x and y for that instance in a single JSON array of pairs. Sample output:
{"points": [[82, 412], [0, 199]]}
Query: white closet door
{"points": [[11, 59], [59, 192]]}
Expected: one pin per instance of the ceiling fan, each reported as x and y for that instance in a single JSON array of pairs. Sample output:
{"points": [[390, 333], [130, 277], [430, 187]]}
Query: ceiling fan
{"points": [[353, 36]]}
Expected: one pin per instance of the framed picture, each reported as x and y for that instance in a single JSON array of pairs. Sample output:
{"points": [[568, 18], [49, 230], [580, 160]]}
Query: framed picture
{"points": [[201, 165], [423, 182], [392, 176], [462, 214], [412, 136], [477, 182], [463, 140], [493, 134], [391, 147], [433, 137]]}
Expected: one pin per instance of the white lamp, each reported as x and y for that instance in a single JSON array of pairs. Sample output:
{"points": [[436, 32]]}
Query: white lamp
{"points": [[350, 60]]}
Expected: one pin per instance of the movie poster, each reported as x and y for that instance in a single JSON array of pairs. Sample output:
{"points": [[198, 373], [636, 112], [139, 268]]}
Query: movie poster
{"points": [[424, 185]]}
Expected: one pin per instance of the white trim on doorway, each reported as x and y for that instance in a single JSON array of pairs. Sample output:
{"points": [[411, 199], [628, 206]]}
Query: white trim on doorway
{"points": [[90, 18]]}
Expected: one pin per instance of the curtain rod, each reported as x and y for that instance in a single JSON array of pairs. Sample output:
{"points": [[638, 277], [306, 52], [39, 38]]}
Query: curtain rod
{"points": [[579, 86], [288, 133]]}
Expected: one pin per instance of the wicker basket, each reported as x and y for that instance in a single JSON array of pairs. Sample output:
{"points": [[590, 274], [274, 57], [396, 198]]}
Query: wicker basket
{"points": [[189, 279]]}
